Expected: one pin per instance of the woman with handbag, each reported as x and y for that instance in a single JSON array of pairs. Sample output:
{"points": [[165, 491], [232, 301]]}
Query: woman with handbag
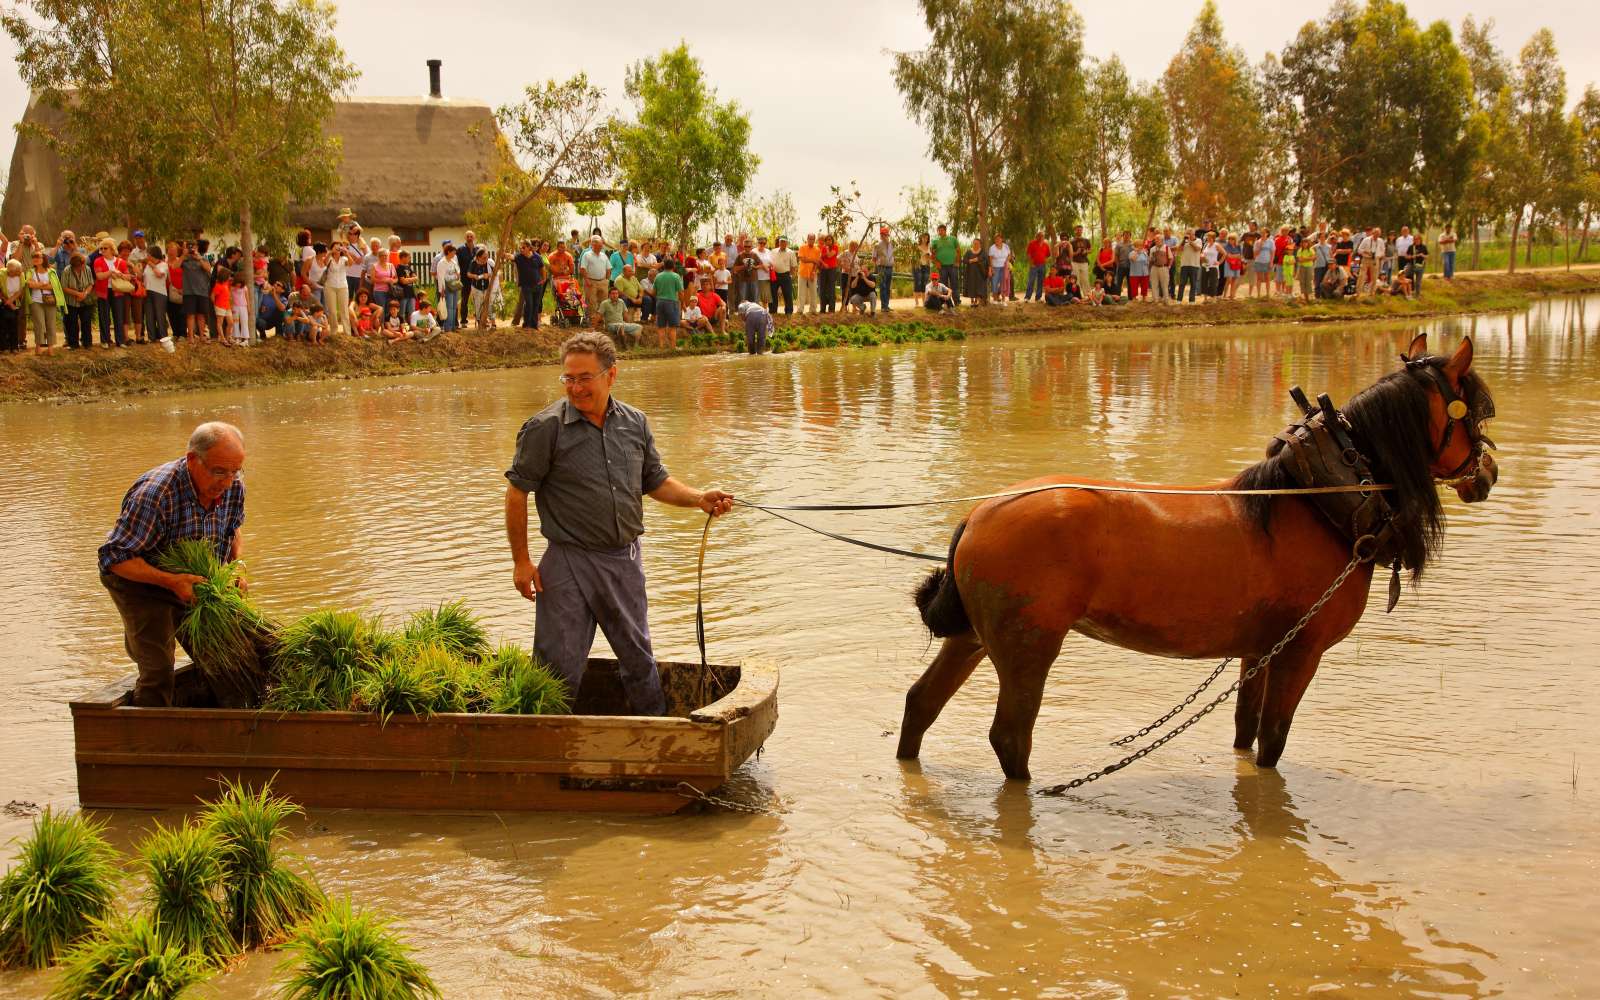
{"points": [[13, 290], [44, 299], [336, 290], [447, 278], [111, 285]]}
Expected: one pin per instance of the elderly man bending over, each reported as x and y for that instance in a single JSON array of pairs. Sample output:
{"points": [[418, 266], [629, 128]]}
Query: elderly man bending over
{"points": [[197, 496], [588, 459]]}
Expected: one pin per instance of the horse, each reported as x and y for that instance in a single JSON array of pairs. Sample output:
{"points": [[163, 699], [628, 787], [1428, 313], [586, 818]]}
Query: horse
{"points": [[1120, 567]]}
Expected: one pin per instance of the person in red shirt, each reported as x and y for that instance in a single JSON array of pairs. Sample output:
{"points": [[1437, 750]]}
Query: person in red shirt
{"points": [[222, 303], [1039, 253], [1055, 290], [711, 304]]}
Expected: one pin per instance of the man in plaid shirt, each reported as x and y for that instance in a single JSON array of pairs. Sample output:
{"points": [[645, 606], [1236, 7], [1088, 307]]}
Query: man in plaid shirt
{"points": [[197, 496]]}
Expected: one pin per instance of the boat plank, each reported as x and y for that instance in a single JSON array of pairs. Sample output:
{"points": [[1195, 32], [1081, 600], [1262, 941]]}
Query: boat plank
{"points": [[583, 769]]}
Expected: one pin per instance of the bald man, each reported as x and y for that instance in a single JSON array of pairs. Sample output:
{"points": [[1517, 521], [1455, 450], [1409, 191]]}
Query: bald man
{"points": [[197, 496]]}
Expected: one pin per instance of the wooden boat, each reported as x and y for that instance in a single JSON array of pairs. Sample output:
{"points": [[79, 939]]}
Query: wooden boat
{"points": [[596, 760]]}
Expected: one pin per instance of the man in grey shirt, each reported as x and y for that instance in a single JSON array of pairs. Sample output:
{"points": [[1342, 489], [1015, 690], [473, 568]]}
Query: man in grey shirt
{"points": [[588, 459]]}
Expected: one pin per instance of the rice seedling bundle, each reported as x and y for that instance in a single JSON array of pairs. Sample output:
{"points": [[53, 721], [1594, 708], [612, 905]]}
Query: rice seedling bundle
{"points": [[64, 879], [183, 866], [264, 899], [399, 686], [128, 959], [527, 687], [449, 625], [346, 954], [321, 656], [222, 629]]}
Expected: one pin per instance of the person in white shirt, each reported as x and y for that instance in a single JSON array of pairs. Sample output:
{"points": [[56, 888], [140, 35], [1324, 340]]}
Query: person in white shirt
{"points": [[1371, 249], [784, 261], [447, 279], [336, 289], [937, 296], [764, 271], [155, 293], [595, 266], [999, 259]]}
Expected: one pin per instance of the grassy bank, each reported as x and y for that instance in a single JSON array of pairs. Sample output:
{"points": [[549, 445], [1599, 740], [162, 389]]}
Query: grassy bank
{"points": [[140, 369]]}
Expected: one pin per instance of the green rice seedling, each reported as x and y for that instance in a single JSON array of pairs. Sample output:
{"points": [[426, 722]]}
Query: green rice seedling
{"points": [[449, 625], [64, 879], [531, 688], [222, 627], [322, 655], [466, 686], [264, 899], [183, 866], [128, 958], [398, 686], [343, 953]]}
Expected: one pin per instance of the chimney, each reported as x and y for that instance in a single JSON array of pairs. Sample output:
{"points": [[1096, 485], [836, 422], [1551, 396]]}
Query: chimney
{"points": [[433, 78]]}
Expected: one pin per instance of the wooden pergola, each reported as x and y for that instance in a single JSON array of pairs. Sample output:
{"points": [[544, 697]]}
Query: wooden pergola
{"points": [[576, 194]]}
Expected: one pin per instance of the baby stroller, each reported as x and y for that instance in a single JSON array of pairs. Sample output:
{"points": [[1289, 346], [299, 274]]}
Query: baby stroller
{"points": [[568, 303]]}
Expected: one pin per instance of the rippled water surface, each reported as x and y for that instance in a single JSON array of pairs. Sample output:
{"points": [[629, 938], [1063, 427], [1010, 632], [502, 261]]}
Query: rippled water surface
{"points": [[1432, 830]]}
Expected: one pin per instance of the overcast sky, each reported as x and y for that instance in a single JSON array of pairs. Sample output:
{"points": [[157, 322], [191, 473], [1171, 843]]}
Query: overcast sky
{"points": [[813, 76]]}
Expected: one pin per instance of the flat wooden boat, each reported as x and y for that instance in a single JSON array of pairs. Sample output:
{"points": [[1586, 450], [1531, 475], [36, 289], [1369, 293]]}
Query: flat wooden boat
{"points": [[596, 760]]}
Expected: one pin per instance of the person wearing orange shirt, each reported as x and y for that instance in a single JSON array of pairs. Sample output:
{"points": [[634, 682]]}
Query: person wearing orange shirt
{"points": [[712, 307], [810, 255]]}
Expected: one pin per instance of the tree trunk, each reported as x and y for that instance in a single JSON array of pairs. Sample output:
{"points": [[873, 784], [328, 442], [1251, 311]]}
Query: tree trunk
{"points": [[247, 244], [1105, 213], [1475, 243], [1527, 250], [1511, 257], [1583, 241], [1567, 228]]}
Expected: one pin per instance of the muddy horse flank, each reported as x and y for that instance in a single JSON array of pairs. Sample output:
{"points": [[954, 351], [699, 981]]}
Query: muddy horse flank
{"points": [[1024, 571]]}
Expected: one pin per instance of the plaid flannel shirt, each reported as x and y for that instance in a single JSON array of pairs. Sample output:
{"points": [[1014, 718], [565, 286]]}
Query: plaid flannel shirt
{"points": [[161, 508]]}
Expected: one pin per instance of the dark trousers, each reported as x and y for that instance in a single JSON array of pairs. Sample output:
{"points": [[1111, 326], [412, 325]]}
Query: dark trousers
{"points": [[528, 305], [585, 588], [950, 274], [782, 283], [1317, 274], [885, 279], [155, 315], [1188, 277], [1035, 289], [80, 326], [1121, 277], [150, 616], [110, 316], [10, 325], [919, 278], [175, 320], [829, 280]]}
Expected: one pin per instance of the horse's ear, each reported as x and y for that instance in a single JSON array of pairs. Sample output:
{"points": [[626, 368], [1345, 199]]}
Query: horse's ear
{"points": [[1418, 348], [1461, 361]]}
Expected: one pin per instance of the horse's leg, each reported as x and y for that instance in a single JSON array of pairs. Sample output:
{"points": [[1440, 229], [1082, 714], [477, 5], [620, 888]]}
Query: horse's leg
{"points": [[950, 668], [1022, 673], [1247, 709], [1287, 681]]}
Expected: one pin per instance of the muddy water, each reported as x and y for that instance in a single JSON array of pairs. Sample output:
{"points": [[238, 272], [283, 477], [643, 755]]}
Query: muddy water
{"points": [[1432, 830]]}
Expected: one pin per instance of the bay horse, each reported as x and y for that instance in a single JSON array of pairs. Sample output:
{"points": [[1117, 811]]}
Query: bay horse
{"points": [[1194, 576]]}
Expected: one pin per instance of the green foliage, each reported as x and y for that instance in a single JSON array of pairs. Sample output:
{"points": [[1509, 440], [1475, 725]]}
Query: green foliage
{"points": [[264, 899], [346, 954], [223, 625], [1215, 115], [772, 217], [686, 151], [1150, 153], [64, 879], [1109, 112], [859, 335], [321, 656], [449, 625], [527, 687], [998, 89], [129, 959], [184, 895]]}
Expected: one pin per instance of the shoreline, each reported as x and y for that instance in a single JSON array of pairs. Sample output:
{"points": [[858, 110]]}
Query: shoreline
{"points": [[147, 369]]}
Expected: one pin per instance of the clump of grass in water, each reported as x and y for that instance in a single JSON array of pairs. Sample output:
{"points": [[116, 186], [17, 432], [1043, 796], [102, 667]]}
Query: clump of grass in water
{"points": [[346, 954], [184, 867], [222, 627], [65, 878], [449, 625], [128, 958], [321, 657], [263, 898], [400, 685], [527, 687]]}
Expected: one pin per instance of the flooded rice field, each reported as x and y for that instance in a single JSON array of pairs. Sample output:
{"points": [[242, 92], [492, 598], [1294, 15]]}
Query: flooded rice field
{"points": [[1432, 830]]}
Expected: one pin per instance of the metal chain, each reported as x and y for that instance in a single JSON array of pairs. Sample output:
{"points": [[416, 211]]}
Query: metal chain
{"points": [[1261, 664], [688, 791], [1180, 706]]}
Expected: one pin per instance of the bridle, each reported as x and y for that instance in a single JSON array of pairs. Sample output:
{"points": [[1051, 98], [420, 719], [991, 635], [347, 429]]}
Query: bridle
{"points": [[1470, 413]]}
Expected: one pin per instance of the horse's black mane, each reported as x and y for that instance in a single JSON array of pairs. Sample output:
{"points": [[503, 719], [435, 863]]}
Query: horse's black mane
{"points": [[1390, 421]]}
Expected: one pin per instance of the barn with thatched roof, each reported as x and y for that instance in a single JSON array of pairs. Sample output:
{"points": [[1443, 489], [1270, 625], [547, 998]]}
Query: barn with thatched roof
{"points": [[412, 166]]}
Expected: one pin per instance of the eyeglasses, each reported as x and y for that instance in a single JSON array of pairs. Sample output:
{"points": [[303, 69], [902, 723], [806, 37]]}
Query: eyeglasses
{"points": [[586, 379]]}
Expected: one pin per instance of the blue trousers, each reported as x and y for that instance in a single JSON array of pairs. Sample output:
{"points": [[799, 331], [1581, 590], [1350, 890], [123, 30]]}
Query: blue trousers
{"points": [[584, 588], [1035, 282], [885, 278]]}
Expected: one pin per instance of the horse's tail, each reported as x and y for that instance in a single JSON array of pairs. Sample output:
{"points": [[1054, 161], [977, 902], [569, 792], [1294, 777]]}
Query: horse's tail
{"points": [[939, 600]]}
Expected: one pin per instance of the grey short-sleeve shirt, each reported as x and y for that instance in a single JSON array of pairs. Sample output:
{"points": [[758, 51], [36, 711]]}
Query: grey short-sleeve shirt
{"points": [[588, 482]]}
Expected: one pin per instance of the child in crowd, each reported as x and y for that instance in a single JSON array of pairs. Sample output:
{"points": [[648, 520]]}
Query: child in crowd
{"points": [[319, 324], [424, 323], [396, 327], [241, 308], [222, 304]]}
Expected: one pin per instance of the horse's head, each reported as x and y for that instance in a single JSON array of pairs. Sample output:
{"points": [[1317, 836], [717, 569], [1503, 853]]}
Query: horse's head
{"points": [[1458, 406]]}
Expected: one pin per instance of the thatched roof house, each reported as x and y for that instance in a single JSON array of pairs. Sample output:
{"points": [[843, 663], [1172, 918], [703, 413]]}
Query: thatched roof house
{"points": [[411, 166]]}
